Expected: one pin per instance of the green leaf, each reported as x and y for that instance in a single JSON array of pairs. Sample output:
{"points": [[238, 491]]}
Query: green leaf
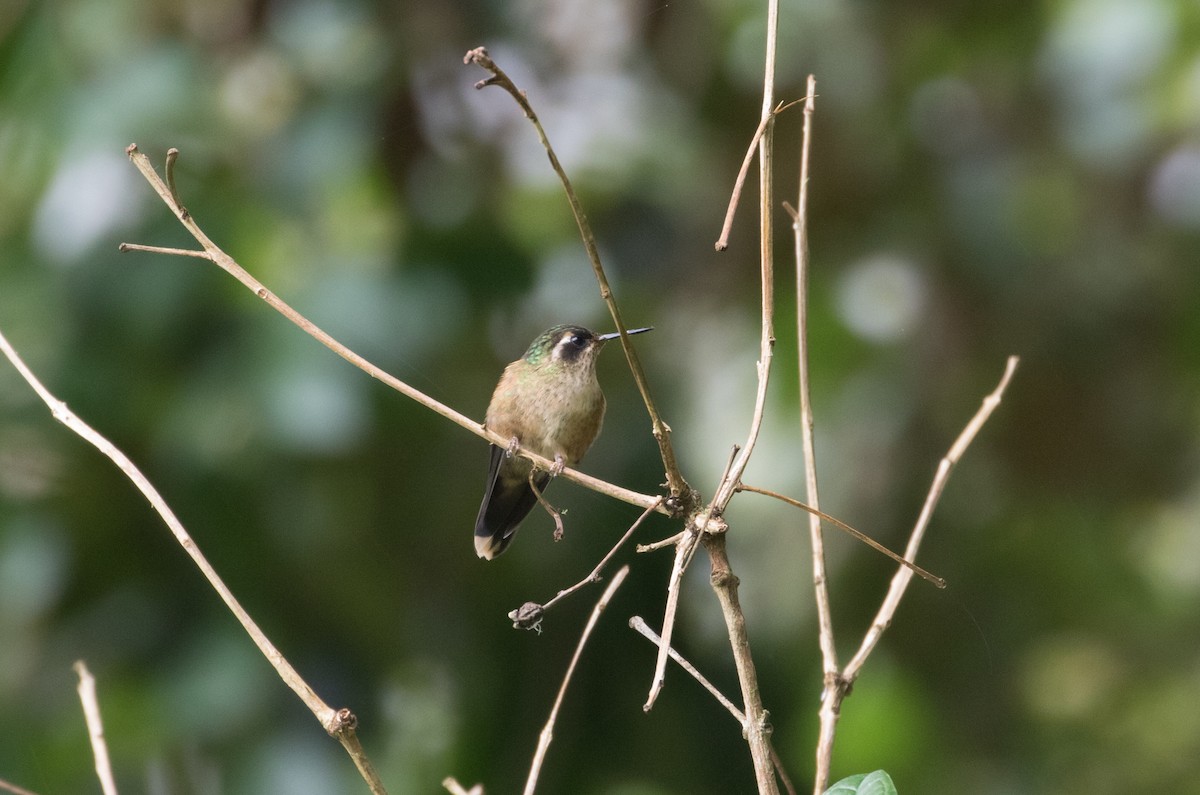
{"points": [[877, 783]]}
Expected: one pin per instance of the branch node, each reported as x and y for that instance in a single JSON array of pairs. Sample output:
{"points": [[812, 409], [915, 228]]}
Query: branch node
{"points": [[724, 578], [344, 721], [528, 616]]}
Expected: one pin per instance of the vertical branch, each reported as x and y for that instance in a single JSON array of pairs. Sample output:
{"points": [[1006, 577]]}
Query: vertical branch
{"points": [[800, 226], [829, 662], [766, 209], [757, 727], [724, 583], [91, 714]]}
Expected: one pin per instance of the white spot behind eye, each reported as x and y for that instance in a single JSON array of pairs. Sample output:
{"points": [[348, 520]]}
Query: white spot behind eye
{"points": [[569, 340]]}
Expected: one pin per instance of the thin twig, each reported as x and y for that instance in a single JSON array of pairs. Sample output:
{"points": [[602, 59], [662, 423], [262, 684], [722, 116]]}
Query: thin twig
{"points": [[682, 548], [735, 198], [685, 550], [91, 714], [829, 658], [555, 514], [530, 614], [839, 524], [339, 723], [662, 432], [547, 734], [595, 574], [902, 577], [656, 545], [766, 212], [639, 624], [838, 686], [724, 583], [230, 266], [175, 252], [13, 788]]}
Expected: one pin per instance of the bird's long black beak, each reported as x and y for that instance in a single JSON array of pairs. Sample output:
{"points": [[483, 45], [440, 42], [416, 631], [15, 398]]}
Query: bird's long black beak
{"points": [[615, 334]]}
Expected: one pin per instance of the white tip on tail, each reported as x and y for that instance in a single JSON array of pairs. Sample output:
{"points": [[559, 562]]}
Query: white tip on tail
{"points": [[486, 547]]}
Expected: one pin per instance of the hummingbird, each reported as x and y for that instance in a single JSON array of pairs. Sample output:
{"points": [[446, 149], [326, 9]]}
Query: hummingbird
{"points": [[547, 402]]}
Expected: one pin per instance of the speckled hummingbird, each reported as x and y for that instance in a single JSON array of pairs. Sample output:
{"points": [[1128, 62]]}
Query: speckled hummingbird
{"points": [[547, 402]]}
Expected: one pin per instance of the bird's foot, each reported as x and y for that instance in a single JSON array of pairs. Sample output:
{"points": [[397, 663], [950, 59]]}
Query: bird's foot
{"points": [[559, 465], [514, 444]]}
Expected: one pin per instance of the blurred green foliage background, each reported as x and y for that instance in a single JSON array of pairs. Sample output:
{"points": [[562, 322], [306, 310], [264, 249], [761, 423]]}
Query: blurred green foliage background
{"points": [[988, 178]]}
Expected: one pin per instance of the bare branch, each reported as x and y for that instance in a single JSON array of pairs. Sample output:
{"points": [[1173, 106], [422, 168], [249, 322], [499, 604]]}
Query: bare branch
{"points": [[13, 788], [662, 432], [724, 583], [839, 524], [530, 614], [902, 577], [594, 576], [452, 785], [91, 714], [723, 241], [169, 170], [684, 548], [230, 266], [340, 723], [757, 726], [175, 252], [547, 734], [829, 658], [757, 729], [766, 211], [639, 624], [837, 685], [660, 544], [686, 544]]}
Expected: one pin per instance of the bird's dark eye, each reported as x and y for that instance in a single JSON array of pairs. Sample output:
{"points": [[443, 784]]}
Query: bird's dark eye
{"points": [[578, 341]]}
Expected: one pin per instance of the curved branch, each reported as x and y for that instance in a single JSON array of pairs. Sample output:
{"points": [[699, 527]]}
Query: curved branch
{"points": [[680, 490]]}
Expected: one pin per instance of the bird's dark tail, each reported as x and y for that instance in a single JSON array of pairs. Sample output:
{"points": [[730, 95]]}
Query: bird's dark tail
{"points": [[506, 501]]}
